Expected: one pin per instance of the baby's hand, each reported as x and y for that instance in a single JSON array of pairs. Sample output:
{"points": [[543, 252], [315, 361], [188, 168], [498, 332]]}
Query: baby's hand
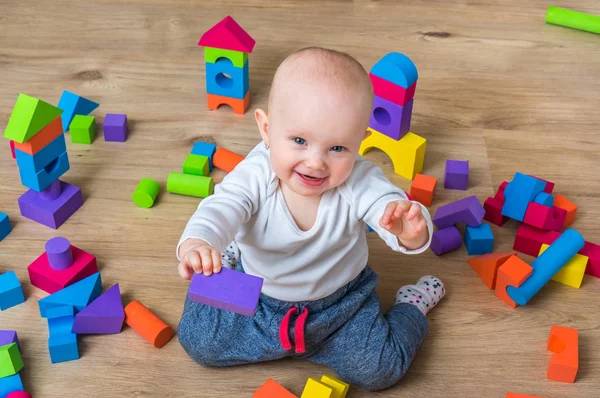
{"points": [[405, 220], [198, 257]]}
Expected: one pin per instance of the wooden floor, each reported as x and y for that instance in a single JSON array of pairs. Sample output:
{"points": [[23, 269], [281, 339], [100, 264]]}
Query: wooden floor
{"points": [[497, 86]]}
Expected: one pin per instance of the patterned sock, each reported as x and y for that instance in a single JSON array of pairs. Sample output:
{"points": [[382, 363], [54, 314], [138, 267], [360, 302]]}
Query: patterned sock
{"points": [[428, 291], [230, 256]]}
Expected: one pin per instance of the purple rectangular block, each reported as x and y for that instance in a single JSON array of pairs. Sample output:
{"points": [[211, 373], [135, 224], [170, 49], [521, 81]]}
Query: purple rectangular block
{"points": [[9, 337], [467, 210], [52, 213], [456, 175], [391, 119], [115, 127], [228, 290], [445, 240]]}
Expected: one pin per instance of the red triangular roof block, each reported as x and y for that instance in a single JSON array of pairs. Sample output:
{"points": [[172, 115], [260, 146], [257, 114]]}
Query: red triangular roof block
{"points": [[487, 266], [228, 35]]}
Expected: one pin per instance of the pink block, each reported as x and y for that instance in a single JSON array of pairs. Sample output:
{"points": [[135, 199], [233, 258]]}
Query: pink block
{"points": [[392, 92], [545, 217], [592, 251], [50, 280], [500, 194], [493, 211], [19, 394], [408, 196], [229, 35], [549, 185], [12, 149], [529, 239]]}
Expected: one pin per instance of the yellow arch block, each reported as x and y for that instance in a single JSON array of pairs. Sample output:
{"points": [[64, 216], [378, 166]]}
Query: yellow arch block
{"points": [[407, 153], [316, 389], [340, 388]]}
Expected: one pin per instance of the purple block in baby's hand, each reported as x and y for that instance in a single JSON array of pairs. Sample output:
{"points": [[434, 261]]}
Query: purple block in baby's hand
{"points": [[456, 175], [52, 213], [115, 127], [467, 210], [228, 290]]}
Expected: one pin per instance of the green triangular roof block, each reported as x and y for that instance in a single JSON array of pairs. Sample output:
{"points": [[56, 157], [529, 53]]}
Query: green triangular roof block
{"points": [[79, 295], [28, 117]]}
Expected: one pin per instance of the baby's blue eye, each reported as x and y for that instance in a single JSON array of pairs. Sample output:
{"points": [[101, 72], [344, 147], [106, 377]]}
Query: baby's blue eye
{"points": [[299, 141], [337, 148]]}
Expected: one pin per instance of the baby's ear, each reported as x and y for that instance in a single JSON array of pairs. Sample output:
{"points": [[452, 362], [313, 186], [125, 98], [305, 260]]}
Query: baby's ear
{"points": [[262, 121]]}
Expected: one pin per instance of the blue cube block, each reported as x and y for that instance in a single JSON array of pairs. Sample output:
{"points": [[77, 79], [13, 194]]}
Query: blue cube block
{"points": [[63, 347], [10, 384], [205, 149], [234, 86], [11, 292], [518, 193], [42, 169], [60, 320], [45, 156], [479, 240], [4, 226]]}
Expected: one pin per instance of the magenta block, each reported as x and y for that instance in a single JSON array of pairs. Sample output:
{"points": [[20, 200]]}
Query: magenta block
{"points": [[105, 315], [467, 210], [545, 217], [9, 337], [456, 175], [59, 253], [12, 149], [52, 213], [228, 290], [592, 251], [115, 127], [391, 119], [445, 240]]}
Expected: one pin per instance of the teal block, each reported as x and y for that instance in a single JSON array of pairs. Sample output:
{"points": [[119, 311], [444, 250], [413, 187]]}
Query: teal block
{"points": [[216, 83], [73, 104], [396, 68], [79, 295], [63, 347], [518, 193], [10, 384], [545, 199], [205, 149], [479, 240], [4, 226], [11, 291], [42, 169]]}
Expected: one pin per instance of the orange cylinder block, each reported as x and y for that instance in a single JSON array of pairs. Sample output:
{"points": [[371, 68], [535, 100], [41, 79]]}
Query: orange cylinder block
{"points": [[226, 160], [147, 324]]}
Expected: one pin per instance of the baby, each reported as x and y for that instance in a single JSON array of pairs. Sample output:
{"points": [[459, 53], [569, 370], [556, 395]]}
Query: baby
{"points": [[295, 213]]}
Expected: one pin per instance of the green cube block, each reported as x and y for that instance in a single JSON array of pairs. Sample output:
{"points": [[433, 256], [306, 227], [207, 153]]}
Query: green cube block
{"points": [[196, 165], [83, 129], [237, 58], [10, 360]]}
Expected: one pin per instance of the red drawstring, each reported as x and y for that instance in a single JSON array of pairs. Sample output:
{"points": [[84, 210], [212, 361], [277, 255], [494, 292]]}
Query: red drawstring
{"points": [[284, 337], [299, 331]]}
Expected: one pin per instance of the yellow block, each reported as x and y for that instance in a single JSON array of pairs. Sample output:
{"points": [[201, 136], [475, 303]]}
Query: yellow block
{"points": [[315, 389], [572, 272], [340, 389], [407, 153]]}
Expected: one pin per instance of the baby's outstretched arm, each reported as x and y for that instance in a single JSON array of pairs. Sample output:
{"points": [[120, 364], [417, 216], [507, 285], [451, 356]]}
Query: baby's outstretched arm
{"points": [[198, 256], [405, 220]]}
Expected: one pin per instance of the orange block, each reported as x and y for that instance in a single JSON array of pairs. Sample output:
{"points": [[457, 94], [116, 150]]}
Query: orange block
{"points": [[226, 160], [43, 138], [239, 105], [487, 266], [422, 189], [513, 272], [148, 325], [570, 207], [515, 395], [564, 363], [272, 389]]}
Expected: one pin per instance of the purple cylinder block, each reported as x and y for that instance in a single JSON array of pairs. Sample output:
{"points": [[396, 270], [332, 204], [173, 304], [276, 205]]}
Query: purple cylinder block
{"points": [[59, 253]]}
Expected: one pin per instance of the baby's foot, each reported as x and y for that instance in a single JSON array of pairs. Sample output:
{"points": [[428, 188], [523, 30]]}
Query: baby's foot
{"points": [[230, 256], [428, 291]]}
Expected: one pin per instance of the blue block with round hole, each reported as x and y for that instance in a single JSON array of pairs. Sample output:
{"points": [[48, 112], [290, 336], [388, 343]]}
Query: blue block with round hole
{"points": [[40, 170], [396, 68], [545, 199], [219, 84], [391, 119]]}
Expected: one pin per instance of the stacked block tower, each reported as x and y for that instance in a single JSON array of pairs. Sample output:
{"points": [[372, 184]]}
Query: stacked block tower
{"points": [[226, 47], [40, 148], [394, 79]]}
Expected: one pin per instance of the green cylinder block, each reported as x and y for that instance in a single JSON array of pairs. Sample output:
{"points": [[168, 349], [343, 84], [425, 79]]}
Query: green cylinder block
{"points": [[190, 185], [145, 193], [573, 19]]}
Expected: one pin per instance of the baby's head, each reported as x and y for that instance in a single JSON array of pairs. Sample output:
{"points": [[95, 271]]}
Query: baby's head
{"points": [[318, 113]]}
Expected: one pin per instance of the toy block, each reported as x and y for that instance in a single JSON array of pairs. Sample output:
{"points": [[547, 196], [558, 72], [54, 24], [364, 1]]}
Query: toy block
{"points": [[228, 290], [83, 129], [11, 291], [237, 58], [408, 196], [40, 170], [514, 272], [10, 384], [229, 35], [316, 389], [529, 239], [105, 315], [549, 185], [487, 266], [51, 212], [272, 389], [5, 227], [42, 179], [196, 165], [479, 240], [45, 276], [39, 141], [60, 320], [392, 92], [396, 68], [544, 217], [456, 174], [12, 149], [592, 252], [571, 274], [500, 193], [29, 116], [467, 210], [190, 185], [239, 106], [73, 104], [515, 395], [407, 154], [340, 388], [570, 207], [79, 295], [547, 265], [8, 337], [222, 78], [147, 324], [391, 119], [226, 160], [493, 211], [63, 347], [115, 127], [19, 394], [145, 193], [564, 362], [545, 199], [205, 149], [10, 360], [423, 188], [519, 193], [445, 240]]}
